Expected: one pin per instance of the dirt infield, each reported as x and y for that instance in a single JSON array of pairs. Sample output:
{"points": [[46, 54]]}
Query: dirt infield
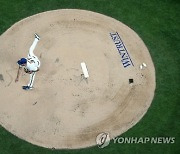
{"points": [[64, 110]]}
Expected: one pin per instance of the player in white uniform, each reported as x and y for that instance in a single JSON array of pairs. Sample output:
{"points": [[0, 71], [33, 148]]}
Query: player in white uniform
{"points": [[31, 64]]}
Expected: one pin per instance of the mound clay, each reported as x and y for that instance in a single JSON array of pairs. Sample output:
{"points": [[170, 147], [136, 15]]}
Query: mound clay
{"points": [[64, 110]]}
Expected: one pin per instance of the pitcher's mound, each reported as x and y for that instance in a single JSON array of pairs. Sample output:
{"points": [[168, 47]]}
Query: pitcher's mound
{"points": [[66, 110]]}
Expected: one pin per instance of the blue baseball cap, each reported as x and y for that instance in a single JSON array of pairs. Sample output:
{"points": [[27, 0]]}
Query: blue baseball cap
{"points": [[22, 61]]}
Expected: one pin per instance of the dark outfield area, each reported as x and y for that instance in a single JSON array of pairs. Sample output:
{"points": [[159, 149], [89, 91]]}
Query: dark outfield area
{"points": [[158, 24]]}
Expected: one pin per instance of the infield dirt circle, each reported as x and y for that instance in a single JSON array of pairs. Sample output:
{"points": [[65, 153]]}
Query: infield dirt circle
{"points": [[64, 110]]}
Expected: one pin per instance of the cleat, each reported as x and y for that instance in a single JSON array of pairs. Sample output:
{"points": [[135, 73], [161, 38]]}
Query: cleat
{"points": [[37, 36], [26, 88]]}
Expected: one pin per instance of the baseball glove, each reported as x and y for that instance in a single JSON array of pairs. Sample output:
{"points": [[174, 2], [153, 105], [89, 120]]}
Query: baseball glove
{"points": [[27, 71]]}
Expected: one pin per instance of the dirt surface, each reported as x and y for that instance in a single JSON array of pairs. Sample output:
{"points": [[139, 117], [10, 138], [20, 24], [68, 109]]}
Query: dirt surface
{"points": [[64, 110]]}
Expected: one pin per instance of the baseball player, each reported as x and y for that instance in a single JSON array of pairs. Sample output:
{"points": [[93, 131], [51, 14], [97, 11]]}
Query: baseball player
{"points": [[31, 64]]}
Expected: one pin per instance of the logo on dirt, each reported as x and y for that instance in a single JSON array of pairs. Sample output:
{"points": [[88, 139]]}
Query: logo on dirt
{"points": [[125, 58], [103, 140]]}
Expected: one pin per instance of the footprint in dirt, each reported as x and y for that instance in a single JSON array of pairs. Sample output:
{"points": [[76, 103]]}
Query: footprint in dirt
{"points": [[1, 77]]}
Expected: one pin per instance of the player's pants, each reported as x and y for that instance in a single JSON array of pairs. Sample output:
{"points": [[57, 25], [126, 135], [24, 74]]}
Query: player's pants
{"points": [[31, 81], [31, 55], [31, 49]]}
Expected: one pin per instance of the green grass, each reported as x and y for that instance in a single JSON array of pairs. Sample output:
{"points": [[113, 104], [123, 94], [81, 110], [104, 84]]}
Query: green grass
{"points": [[158, 23]]}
